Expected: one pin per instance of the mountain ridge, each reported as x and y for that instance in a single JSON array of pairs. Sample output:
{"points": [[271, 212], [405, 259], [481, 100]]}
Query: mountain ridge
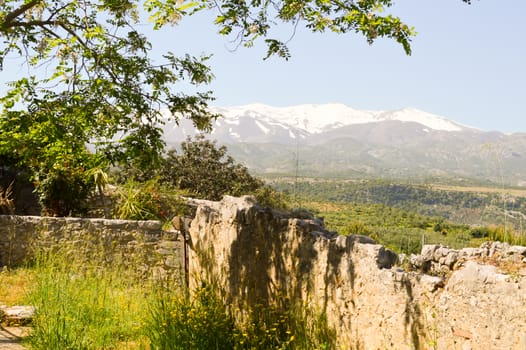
{"points": [[319, 118], [337, 139]]}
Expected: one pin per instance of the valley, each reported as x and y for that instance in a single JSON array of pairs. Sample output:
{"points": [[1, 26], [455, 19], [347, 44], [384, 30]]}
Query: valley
{"points": [[404, 216], [404, 177]]}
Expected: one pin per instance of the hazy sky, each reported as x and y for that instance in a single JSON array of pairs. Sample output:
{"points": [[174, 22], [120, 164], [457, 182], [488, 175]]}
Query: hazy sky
{"points": [[468, 64]]}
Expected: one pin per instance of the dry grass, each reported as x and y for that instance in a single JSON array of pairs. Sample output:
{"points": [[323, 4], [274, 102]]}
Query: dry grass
{"points": [[7, 205], [477, 189], [14, 285]]}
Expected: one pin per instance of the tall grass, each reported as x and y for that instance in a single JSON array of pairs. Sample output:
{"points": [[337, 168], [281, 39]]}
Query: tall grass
{"points": [[203, 321], [85, 304], [178, 322], [506, 234], [88, 300]]}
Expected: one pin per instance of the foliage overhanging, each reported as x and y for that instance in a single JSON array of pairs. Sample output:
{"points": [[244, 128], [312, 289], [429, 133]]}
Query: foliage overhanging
{"points": [[91, 79]]}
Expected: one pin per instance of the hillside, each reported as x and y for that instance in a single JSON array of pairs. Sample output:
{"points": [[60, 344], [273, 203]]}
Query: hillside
{"points": [[339, 141], [463, 205]]}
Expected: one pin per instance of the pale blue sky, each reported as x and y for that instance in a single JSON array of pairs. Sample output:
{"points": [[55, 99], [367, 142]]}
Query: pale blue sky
{"points": [[468, 64]]}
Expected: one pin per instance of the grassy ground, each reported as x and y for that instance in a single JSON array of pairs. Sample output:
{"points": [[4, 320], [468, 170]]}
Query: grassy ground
{"points": [[90, 302], [480, 189], [15, 285]]}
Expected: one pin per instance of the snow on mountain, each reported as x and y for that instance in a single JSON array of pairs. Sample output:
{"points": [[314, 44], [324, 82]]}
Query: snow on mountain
{"points": [[286, 125], [316, 119], [310, 118], [414, 115]]}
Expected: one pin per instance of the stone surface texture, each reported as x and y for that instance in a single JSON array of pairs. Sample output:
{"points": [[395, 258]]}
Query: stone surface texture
{"points": [[142, 243], [452, 300], [472, 298]]}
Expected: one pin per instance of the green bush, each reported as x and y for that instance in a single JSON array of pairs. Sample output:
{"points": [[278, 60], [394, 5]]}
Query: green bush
{"points": [[147, 201], [177, 322], [269, 197], [357, 228], [203, 321], [479, 232], [206, 171], [64, 192]]}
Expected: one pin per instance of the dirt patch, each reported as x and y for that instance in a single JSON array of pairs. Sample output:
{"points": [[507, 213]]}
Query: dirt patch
{"points": [[11, 337]]}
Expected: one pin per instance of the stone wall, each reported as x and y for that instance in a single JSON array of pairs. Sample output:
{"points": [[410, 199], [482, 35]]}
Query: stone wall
{"points": [[141, 242], [471, 298], [256, 256]]}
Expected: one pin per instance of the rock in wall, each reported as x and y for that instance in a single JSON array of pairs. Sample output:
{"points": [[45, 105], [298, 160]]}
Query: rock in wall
{"points": [[256, 255], [142, 243]]}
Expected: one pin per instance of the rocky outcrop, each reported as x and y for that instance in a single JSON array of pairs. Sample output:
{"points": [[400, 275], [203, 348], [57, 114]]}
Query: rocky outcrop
{"points": [[257, 256], [440, 260]]}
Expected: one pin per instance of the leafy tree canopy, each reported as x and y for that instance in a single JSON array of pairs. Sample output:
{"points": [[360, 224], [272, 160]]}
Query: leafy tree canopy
{"points": [[206, 171], [103, 88]]}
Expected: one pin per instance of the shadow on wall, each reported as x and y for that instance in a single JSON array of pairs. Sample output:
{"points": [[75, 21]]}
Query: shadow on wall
{"points": [[413, 314], [261, 258]]}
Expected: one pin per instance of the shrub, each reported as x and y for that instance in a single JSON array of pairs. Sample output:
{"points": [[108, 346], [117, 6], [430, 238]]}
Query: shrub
{"points": [[479, 232], [178, 322], [203, 321], [147, 201], [269, 197], [357, 228], [206, 171], [64, 192]]}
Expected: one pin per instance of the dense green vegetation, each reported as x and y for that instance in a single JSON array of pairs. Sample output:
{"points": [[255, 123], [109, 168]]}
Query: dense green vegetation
{"points": [[405, 216], [93, 79], [206, 171], [470, 207]]}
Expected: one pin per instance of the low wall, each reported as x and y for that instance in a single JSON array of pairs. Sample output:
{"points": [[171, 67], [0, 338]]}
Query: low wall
{"points": [[256, 256], [471, 298], [141, 242]]}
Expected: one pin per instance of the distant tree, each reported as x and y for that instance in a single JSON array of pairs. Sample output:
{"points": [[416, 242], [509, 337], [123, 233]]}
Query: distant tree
{"points": [[205, 170]]}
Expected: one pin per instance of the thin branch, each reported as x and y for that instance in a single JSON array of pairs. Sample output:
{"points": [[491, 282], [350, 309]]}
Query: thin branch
{"points": [[95, 54], [56, 11], [296, 22], [15, 13], [33, 23]]}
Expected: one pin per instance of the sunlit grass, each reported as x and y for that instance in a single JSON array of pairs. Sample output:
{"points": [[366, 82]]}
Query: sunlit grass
{"points": [[85, 304], [85, 299], [203, 321], [14, 285]]}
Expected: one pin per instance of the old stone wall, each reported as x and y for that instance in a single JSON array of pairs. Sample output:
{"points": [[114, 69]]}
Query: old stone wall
{"points": [[256, 256], [143, 243], [473, 298]]}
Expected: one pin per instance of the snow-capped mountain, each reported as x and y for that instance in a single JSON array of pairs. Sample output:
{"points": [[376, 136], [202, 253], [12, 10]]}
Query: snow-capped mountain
{"points": [[337, 140], [315, 119], [262, 123]]}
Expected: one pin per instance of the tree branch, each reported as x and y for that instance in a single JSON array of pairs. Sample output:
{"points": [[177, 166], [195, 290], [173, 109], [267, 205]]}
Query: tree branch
{"points": [[17, 12]]}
